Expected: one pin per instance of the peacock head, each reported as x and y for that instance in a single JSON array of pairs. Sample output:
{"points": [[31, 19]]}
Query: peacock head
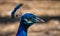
{"points": [[30, 19], [27, 18]]}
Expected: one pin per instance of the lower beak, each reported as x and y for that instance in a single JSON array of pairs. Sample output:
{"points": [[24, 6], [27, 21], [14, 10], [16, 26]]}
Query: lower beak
{"points": [[39, 20]]}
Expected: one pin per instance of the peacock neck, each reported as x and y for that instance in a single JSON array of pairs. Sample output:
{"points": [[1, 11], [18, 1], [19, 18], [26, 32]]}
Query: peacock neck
{"points": [[22, 30]]}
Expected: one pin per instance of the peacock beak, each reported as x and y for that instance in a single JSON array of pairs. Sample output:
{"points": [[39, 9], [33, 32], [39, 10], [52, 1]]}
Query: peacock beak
{"points": [[39, 20]]}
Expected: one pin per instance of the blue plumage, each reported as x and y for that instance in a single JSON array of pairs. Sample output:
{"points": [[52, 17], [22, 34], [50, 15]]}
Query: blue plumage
{"points": [[26, 21], [23, 27]]}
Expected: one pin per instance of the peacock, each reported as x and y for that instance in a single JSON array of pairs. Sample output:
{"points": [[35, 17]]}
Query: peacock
{"points": [[27, 20]]}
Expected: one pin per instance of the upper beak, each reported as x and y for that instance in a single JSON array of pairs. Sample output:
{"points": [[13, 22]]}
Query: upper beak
{"points": [[39, 20]]}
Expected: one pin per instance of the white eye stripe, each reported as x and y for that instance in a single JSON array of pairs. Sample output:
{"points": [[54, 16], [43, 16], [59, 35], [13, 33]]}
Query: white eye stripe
{"points": [[25, 19], [28, 21]]}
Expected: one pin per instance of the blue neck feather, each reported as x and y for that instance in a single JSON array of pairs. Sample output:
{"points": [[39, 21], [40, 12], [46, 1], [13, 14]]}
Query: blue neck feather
{"points": [[23, 27], [22, 30]]}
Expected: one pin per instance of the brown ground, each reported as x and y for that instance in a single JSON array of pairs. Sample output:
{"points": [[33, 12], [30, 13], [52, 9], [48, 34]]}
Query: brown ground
{"points": [[39, 8]]}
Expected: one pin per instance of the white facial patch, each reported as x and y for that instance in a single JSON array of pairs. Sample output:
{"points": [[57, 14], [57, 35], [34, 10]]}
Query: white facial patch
{"points": [[28, 21]]}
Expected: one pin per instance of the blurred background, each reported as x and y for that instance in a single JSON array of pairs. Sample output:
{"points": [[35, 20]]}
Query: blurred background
{"points": [[49, 10]]}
